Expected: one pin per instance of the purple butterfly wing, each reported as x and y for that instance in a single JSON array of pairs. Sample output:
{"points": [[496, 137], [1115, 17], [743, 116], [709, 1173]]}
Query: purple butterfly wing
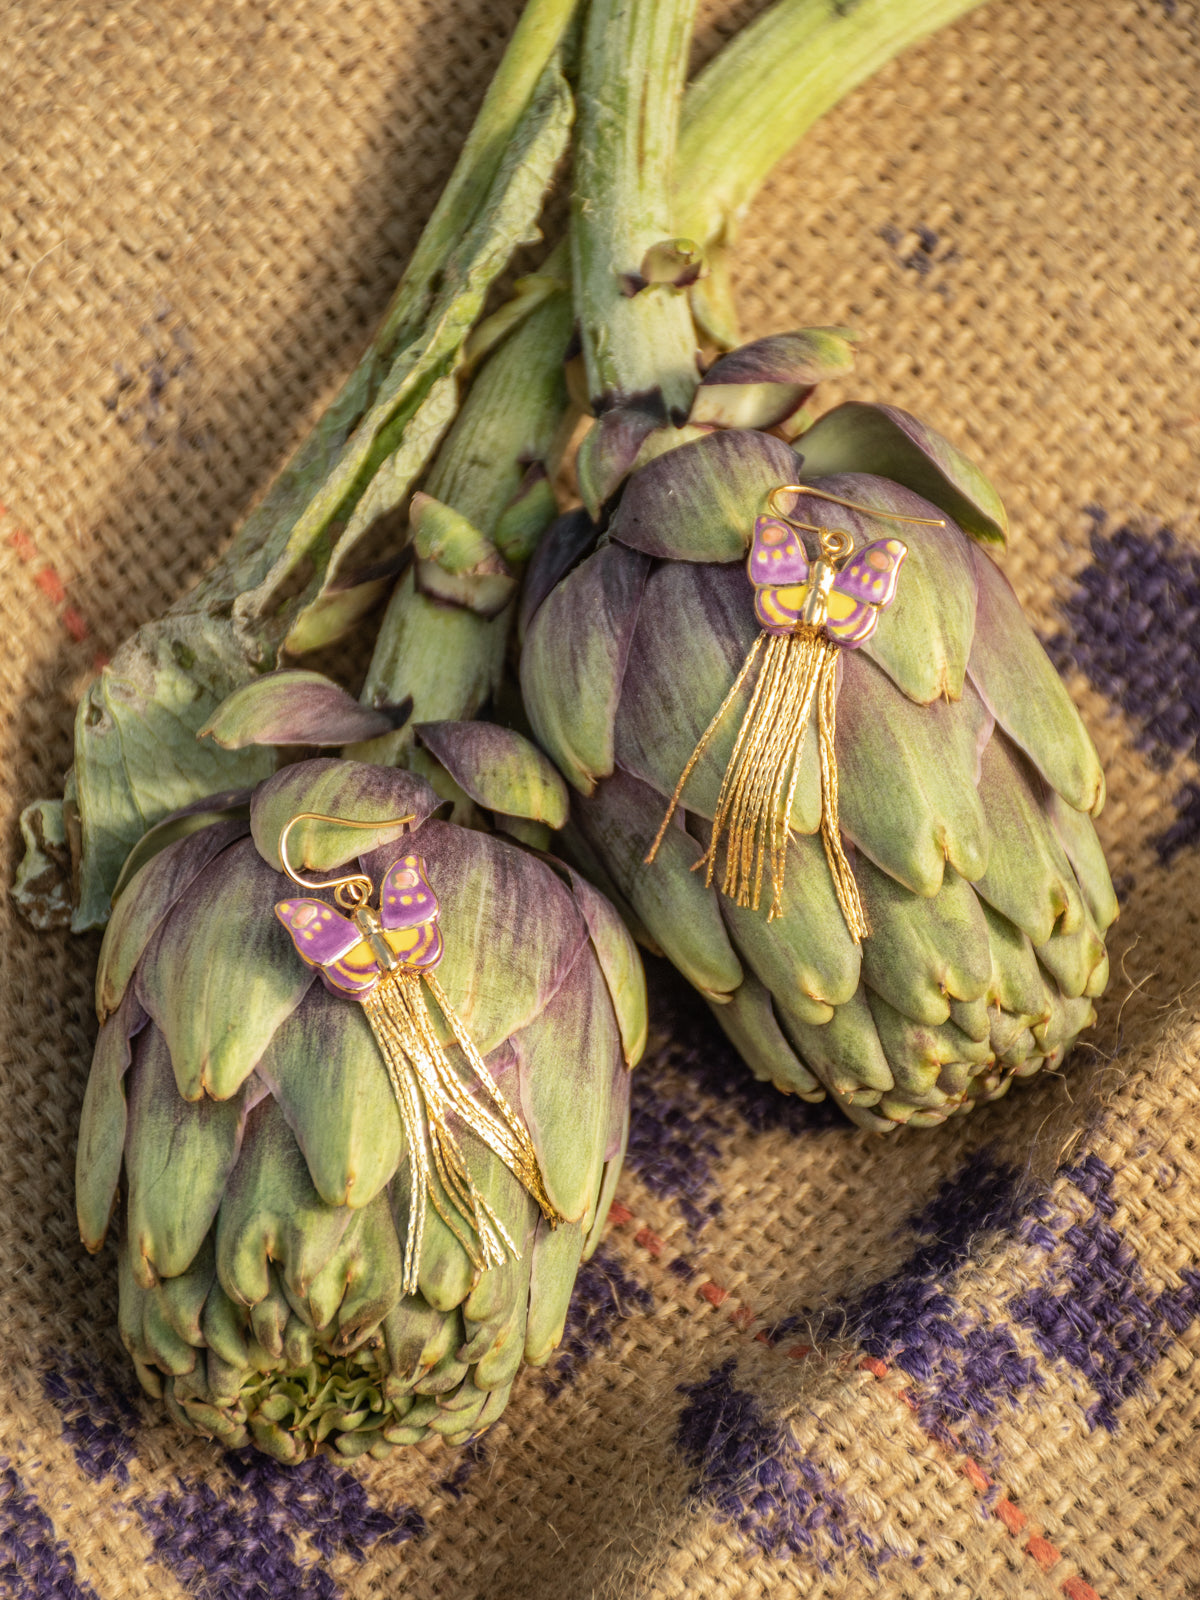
{"points": [[407, 897], [872, 573], [777, 555], [324, 938]]}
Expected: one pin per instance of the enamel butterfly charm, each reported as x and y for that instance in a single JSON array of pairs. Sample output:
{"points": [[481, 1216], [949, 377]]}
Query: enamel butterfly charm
{"points": [[842, 592], [381, 956], [352, 955], [809, 609]]}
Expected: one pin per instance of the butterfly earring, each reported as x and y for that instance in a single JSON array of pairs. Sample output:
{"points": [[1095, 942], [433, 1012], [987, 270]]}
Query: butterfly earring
{"points": [[381, 957], [808, 611]]}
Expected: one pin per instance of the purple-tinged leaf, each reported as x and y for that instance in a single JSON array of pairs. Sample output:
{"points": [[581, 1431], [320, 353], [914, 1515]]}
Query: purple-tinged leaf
{"points": [[573, 663], [857, 437], [699, 502], [567, 542], [165, 879], [620, 964], [221, 974], [511, 928], [297, 707], [102, 1123], [499, 769], [609, 450], [762, 384]]}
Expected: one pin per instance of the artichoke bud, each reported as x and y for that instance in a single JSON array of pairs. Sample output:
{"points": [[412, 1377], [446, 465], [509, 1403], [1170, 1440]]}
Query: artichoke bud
{"points": [[359, 1071], [800, 670]]}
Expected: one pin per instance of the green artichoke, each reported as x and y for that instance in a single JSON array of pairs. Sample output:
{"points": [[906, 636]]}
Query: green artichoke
{"points": [[243, 1112], [966, 781]]}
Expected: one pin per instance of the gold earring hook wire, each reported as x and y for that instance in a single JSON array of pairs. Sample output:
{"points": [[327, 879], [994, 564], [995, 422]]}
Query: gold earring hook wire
{"points": [[852, 505], [356, 888]]}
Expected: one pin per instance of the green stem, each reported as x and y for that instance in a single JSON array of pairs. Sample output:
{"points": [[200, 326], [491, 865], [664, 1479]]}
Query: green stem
{"points": [[538, 34], [632, 68], [765, 90]]}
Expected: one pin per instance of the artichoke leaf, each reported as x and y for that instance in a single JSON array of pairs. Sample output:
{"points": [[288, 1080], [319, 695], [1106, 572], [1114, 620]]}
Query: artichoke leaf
{"points": [[749, 1022], [922, 954], [806, 955], [499, 769], [620, 964], [574, 661], [272, 1213], [845, 1053], [1028, 879], [908, 776], [103, 1121], [324, 1069], [553, 1269], [296, 706], [178, 1156], [699, 502], [560, 1054], [165, 879], [1027, 697], [221, 974], [361, 1281], [887, 441], [668, 898], [398, 802]]}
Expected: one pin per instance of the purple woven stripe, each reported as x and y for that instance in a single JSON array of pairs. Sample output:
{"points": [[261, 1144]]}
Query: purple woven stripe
{"points": [[228, 1544], [242, 1546], [34, 1564], [604, 1295], [757, 1479], [1097, 1312], [99, 1416], [1131, 625]]}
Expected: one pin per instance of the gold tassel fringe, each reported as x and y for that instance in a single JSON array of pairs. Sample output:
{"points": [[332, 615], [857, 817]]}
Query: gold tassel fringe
{"points": [[428, 1092], [754, 806]]}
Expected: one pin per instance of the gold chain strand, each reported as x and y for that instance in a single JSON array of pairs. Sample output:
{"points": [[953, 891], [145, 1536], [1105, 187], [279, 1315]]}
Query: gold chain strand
{"points": [[831, 834], [705, 739], [428, 1091], [754, 805], [524, 1163]]}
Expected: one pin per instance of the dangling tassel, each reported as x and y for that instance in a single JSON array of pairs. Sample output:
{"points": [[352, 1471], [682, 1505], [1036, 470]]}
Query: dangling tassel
{"points": [[428, 1091], [754, 806]]}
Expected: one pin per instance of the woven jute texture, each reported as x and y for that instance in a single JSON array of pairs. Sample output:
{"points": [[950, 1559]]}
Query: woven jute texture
{"points": [[805, 1361]]}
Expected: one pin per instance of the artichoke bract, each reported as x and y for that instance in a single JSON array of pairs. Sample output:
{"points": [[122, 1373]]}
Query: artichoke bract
{"points": [[963, 782], [240, 1124]]}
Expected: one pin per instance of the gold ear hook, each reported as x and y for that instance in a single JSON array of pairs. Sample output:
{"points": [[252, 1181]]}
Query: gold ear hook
{"points": [[852, 505], [356, 888]]}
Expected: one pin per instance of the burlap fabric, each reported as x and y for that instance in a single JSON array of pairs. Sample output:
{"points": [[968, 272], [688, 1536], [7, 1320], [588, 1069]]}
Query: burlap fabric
{"points": [[805, 1361]]}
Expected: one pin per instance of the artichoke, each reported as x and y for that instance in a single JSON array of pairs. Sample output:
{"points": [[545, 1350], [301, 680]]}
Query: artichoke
{"points": [[962, 778], [241, 1106]]}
